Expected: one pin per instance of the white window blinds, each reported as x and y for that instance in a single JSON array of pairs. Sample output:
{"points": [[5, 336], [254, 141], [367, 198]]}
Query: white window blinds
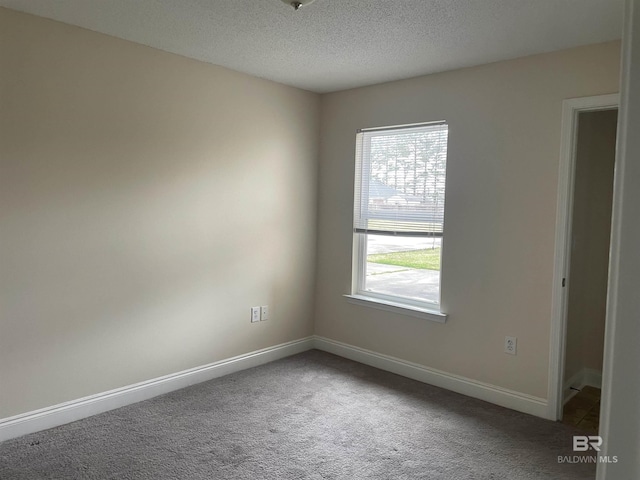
{"points": [[400, 180]]}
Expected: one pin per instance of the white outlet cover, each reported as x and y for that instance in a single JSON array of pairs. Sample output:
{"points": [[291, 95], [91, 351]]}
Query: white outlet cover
{"points": [[255, 314], [264, 313], [510, 345]]}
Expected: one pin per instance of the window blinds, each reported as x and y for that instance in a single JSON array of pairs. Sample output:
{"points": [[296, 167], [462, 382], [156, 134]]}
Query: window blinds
{"points": [[400, 180]]}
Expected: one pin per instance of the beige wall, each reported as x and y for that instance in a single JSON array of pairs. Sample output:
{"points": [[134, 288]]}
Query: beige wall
{"points": [[147, 201], [127, 248], [591, 229], [504, 143]]}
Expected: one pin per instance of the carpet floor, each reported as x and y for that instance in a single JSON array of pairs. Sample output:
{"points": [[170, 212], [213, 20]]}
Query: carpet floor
{"points": [[310, 416]]}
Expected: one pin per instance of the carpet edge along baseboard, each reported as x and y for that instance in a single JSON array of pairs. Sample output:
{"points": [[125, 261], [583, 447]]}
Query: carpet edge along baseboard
{"points": [[78, 409], [71, 411], [504, 397]]}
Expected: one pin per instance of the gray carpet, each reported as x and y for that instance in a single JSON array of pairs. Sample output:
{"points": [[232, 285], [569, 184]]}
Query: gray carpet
{"points": [[311, 416]]}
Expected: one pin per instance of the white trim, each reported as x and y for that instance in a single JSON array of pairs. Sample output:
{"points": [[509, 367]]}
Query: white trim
{"points": [[570, 110], [85, 407], [360, 219], [585, 377], [571, 387], [71, 411], [591, 378], [397, 307], [456, 383], [614, 320]]}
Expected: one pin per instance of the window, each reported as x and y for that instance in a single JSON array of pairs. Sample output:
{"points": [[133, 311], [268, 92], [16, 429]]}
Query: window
{"points": [[399, 215]]}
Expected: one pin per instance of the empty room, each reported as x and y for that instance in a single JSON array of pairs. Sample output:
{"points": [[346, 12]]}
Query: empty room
{"points": [[323, 239]]}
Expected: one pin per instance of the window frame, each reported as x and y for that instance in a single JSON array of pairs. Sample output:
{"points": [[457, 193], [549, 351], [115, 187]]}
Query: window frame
{"points": [[394, 303]]}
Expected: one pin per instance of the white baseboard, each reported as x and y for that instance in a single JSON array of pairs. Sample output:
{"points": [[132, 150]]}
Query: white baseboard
{"points": [[466, 386], [571, 387], [85, 407], [67, 412], [585, 377]]}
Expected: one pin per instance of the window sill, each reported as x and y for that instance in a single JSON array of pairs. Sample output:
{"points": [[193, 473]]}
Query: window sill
{"points": [[399, 308]]}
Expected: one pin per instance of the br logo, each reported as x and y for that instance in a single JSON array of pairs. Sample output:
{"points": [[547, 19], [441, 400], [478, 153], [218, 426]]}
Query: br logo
{"points": [[583, 443]]}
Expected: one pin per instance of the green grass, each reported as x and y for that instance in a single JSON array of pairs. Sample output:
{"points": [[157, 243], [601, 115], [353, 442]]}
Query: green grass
{"points": [[427, 259]]}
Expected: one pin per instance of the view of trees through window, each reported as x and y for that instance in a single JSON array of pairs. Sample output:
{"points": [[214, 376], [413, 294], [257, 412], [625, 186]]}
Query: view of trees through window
{"points": [[411, 166], [405, 205]]}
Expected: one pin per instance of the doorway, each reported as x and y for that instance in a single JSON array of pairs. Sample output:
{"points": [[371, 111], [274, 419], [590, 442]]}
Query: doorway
{"points": [[582, 259], [588, 267]]}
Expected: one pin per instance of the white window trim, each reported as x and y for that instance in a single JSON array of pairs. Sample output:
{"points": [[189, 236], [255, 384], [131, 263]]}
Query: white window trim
{"points": [[398, 308], [390, 303], [379, 301]]}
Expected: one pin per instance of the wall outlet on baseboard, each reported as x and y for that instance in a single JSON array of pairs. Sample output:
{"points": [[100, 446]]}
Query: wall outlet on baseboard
{"points": [[510, 345], [255, 314]]}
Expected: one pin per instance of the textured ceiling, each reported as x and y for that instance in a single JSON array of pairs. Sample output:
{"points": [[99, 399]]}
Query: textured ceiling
{"points": [[337, 44]]}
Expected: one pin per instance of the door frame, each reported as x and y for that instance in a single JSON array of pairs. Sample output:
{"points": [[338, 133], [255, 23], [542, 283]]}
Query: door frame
{"points": [[571, 108]]}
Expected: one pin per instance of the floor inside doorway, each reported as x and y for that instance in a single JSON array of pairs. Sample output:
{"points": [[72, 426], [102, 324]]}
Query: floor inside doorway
{"points": [[583, 410]]}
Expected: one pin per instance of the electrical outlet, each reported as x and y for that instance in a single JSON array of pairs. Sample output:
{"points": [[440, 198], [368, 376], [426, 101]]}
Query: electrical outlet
{"points": [[510, 345], [255, 314], [264, 313]]}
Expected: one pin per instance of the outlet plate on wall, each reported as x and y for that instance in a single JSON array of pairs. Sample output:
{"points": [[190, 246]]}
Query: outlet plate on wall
{"points": [[510, 345], [255, 314]]}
